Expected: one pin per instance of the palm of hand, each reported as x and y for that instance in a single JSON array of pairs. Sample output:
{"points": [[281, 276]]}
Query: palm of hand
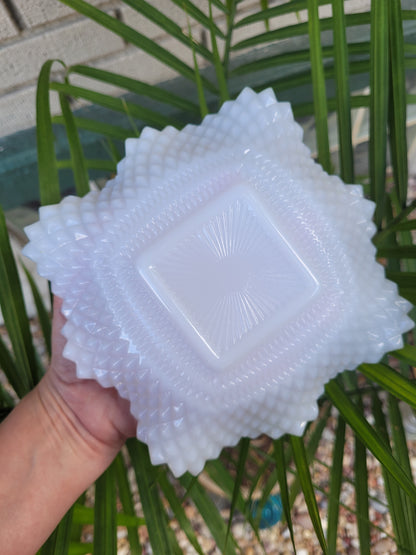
{"points": [[99, 411]]}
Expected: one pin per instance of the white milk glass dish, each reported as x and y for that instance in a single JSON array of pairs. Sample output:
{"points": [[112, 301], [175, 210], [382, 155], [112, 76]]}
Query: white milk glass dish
{"points": [[219, 281]]}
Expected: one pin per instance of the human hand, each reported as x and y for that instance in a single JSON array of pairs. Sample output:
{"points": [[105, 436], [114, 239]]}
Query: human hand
{"points": [[98, 414], [59, 439]]}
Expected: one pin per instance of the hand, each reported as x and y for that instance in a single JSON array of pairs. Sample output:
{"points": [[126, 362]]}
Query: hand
{"points": [[98, 413], [59, 438]]}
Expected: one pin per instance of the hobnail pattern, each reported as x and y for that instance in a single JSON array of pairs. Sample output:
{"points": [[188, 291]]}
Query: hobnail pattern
{"points": [[219, 281]]}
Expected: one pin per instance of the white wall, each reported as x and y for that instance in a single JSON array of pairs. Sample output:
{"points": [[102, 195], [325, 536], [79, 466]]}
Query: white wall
{"points": [[41, 29]]}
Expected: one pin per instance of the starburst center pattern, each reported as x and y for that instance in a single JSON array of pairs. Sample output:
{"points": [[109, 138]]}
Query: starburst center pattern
{"points": [[227, 276]]}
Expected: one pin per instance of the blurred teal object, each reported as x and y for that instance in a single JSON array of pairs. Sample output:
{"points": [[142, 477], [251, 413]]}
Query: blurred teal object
{"points": [[271, 511]]}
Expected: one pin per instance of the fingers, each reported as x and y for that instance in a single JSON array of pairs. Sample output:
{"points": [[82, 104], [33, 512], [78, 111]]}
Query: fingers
{"points": [[61, 365], [58, 321], [58, 318]]}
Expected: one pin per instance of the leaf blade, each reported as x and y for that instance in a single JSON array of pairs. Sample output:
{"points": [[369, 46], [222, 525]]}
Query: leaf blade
{"points": [[59, 541], [281, 467], [135, 86], [126, 499], [79, 168], [378, 106], [369, 437], [209, 513], [179, 512], [167, 24], [397, 104], [343, 92], [105, 527], [318, 86], [47, 169], [335, 485], [15, 318], [43, 314], [304, 475], [149, 117], [134, 37], [391, 381], [160, 535]]}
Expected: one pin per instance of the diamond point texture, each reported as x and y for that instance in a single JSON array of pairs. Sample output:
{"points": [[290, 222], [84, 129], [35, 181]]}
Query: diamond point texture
{"points": [[219, 281]]}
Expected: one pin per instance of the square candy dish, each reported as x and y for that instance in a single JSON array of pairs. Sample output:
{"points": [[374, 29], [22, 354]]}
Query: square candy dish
{"points": [[219, 281]]}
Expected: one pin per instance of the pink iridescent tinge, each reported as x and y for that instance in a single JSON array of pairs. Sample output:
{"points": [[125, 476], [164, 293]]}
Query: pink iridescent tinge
{"points": [[219, 281]]}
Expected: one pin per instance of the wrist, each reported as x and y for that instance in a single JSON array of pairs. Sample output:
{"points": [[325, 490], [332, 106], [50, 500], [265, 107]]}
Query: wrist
{"points": [[47, 461]]}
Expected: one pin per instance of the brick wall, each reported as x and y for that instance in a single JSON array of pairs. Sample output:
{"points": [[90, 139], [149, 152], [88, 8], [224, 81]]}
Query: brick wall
{"points": [[32, 31]]}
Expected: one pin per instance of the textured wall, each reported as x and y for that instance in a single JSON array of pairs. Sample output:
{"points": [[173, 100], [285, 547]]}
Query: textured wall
{"points": [[31, 31]]}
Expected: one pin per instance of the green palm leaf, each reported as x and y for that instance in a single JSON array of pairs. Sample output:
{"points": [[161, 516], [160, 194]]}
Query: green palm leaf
{"points": [[48, 171], [305, 479], [161, 536], [369, 437], [147, 116], [126, 499], [169, 26], [59, 541], [105, 527], [379, 105], [26, 369], [335, 486], [210, 514], [135, 86], [281, 466], [343, 92], [135, 38], [318, 85], [79, 167]]}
